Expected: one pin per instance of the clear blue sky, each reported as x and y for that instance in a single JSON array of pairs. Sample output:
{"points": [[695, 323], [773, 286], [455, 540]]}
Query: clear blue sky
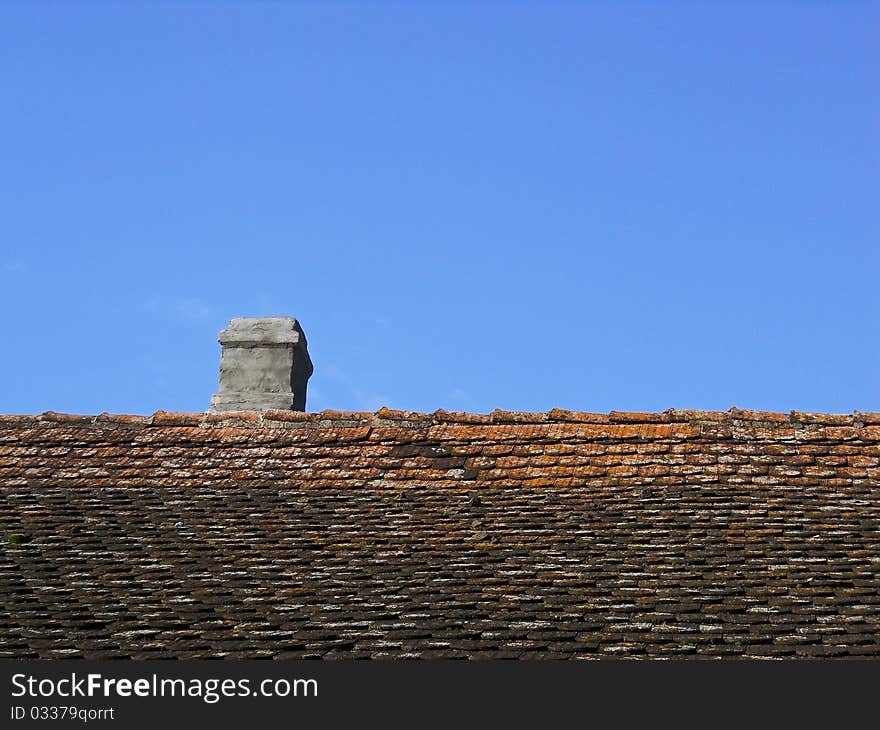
{"points": [[595, 206]]}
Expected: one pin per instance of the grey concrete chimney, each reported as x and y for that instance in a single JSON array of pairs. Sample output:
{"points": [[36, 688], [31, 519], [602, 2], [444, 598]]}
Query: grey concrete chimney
{"points": [[264, 365]]}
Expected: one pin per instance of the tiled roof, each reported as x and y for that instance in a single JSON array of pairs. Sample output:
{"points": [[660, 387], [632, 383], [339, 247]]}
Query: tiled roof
{"points": [[396, 534]]}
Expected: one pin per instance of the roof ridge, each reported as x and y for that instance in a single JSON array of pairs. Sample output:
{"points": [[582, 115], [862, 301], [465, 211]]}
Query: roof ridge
{"points": [[414, 419]]}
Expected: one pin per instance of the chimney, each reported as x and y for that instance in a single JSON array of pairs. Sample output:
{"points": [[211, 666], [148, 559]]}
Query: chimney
{"points": [[264, 365]]}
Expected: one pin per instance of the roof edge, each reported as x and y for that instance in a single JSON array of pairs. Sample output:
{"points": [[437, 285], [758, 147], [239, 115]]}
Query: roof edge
{"points": [[399, 418]]}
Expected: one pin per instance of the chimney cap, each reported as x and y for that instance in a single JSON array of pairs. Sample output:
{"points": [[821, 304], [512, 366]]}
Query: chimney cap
{"points": [[262, 331]]}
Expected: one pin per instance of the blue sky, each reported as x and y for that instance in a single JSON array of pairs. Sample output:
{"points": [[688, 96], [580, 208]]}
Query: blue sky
{"points": [[595, 206]]}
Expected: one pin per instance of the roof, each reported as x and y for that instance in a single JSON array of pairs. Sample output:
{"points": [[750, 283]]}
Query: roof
{"points": [[396, 534]]}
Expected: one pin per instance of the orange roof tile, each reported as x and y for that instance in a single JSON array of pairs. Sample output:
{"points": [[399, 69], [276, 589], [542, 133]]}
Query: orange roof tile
{"points": [[350, 534]]}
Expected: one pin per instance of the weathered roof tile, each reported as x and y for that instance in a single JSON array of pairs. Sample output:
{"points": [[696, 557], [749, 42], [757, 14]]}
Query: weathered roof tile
{"points": [[349, 534]]}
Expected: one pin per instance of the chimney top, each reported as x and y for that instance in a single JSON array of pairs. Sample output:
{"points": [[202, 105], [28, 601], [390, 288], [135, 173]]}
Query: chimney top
{"points": [[264, 364]]}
